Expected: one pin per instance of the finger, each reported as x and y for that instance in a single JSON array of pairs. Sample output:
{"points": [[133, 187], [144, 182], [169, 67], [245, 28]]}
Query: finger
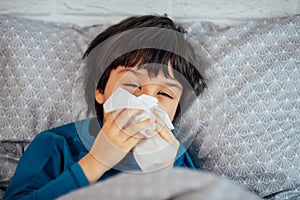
{"points": [[118, 135], [150, 133], [111, 117], [163, 130], [131, 142], [127, 117], [137, 127], [158, 120], [165, 133], [118, 120]]}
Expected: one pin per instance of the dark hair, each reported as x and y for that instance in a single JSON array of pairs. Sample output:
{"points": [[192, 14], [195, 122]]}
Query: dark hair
{"points": [[143, 41]]}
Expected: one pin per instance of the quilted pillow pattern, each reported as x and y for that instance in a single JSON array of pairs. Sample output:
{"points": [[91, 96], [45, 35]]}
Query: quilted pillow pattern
{"points": [[39, 64], [249, 118], [40, 83]]}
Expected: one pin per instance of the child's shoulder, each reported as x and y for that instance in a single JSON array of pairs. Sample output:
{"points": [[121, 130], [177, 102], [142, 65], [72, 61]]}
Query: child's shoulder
{"points": [[68, 132]]}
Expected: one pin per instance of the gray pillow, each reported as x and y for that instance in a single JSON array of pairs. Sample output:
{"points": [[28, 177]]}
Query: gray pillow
{"points": [[39, 63], [248, 120], [41, 83]]}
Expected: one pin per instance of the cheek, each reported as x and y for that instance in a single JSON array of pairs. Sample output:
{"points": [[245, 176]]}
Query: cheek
{"points": [[110, 88]]}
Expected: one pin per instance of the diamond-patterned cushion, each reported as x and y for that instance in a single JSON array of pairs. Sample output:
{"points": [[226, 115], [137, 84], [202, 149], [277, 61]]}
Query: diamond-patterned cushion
{"points": [[249, 117]]}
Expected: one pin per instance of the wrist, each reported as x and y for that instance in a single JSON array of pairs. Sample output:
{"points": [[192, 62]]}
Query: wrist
{"points": [[92, 168]]}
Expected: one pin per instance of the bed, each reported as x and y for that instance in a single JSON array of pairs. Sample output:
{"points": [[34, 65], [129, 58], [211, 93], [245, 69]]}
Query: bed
{"points": [[242, 133]]}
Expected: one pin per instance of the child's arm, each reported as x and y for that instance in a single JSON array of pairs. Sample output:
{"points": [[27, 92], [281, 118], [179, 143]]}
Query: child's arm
{"points": [[46, 170]]}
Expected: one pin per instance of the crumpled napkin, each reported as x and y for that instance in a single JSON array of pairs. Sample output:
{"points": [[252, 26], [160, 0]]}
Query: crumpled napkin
{"points": [[152, 153]]}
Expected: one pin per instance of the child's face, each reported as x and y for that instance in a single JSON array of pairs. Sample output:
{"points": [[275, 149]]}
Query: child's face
{"points": [[138, 82]]}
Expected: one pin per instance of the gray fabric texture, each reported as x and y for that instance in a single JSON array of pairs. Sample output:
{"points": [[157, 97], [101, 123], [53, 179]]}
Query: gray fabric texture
{"points": [[39, 68], [39, 79], [174, 184], [10, 152], [248, 120]]}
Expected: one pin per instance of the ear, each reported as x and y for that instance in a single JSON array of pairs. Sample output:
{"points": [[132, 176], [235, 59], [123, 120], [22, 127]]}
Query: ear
{"points": [[99, 97]]}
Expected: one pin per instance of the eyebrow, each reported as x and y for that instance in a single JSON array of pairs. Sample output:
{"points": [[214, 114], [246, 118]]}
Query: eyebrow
{"points": [[169, 84]]}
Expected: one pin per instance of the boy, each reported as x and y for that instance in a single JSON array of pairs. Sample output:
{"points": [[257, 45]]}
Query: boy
{"points": [[146, 55]]}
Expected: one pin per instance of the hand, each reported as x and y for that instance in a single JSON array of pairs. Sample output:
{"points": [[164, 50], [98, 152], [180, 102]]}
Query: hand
{"points": [[166, 134], [119, 134]]}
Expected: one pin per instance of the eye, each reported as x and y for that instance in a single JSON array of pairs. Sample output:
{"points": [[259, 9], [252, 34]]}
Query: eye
{"points": [[166, 95], [133, 85]]}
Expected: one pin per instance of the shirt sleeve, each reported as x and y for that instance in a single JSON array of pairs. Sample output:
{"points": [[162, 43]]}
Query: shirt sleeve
{"points": [[46, 170]]}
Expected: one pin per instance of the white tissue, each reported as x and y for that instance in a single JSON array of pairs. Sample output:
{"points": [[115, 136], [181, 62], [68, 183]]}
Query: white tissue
{"points": [[154, 152], [121, 99]]}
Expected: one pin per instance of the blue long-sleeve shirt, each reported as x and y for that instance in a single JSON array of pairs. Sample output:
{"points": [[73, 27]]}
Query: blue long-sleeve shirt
{"points": [[49, 167]]}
